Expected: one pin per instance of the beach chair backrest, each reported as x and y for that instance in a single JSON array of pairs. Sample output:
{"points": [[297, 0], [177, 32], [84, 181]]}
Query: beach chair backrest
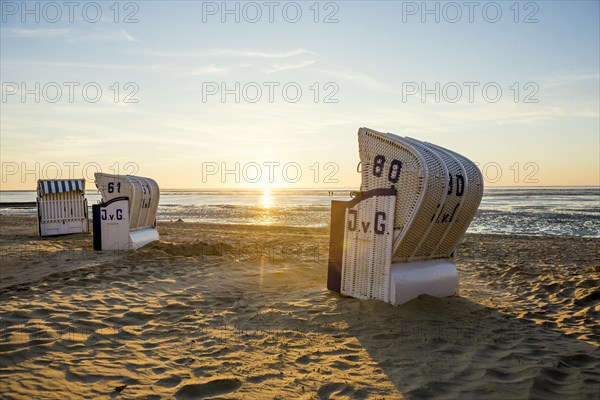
{"points": [[386, 163], [439, 192], [143, 194]]}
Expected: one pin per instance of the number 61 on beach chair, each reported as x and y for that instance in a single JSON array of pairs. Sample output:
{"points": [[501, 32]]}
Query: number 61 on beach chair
{"points": [[126, 218], [397, 238]]}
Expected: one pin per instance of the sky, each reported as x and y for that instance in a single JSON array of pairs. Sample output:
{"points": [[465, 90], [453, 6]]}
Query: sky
{"points": [[271, 94]]}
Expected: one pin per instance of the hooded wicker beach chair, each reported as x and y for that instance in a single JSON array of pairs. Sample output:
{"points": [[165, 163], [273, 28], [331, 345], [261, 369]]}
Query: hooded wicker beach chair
{"points": [[62, 207], [126, 218], [397, 238]]}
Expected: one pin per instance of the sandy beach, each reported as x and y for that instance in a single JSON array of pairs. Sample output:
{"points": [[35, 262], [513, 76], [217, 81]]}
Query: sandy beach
{"points": [[242, 312]]}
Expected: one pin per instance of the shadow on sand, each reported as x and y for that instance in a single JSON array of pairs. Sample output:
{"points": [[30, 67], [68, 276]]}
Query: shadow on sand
{"points": [[457, 348]]}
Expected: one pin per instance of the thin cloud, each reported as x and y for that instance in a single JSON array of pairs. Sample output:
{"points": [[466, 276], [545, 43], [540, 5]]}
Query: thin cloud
{"points": [[569, 79], [68, 64], [73, 36], [210, 69], [128, 36], [288, 67], [259, 54], [104, 36], [515, 112], [227, 53], [360, 78], [35, 33]]}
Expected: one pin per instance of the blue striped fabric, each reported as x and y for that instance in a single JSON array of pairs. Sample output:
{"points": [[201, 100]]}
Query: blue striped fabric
{"points": [[60, 186]]}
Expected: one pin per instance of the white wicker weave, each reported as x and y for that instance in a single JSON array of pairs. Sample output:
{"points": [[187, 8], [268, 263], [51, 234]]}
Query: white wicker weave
{"points": [[368, 240], [430, 207], [439, 192], [449, 207], [473, 192], [143, 195], [387, 163], [61, 207]]}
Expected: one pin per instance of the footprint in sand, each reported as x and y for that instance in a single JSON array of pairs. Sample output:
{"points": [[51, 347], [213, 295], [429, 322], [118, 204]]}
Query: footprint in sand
{"points": [[337, 390], [305, 359], [264, 377], [341, 365], [169, 382], [209, 389]]}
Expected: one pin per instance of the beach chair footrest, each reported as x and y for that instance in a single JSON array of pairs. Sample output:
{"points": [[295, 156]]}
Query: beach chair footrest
{"points": [[432, 277]]}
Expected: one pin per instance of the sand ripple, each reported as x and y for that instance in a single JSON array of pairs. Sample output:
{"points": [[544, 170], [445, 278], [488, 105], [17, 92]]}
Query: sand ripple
{"points": [[196, 317]]}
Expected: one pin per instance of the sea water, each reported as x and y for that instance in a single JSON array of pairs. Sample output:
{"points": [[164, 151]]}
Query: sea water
{"points": [[564, 211]]}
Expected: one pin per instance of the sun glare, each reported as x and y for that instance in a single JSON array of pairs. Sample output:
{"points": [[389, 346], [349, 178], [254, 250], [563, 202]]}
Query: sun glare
{"points": [[266, 199]]}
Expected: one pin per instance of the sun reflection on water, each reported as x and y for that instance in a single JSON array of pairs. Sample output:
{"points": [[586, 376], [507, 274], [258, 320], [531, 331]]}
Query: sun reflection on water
{"points": [[268, 213], [266, 199]]}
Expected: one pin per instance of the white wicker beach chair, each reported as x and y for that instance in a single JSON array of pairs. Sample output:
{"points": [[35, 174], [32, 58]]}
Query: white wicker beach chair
{"points": [[62, 207], [436, 195], [142, 195]]}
